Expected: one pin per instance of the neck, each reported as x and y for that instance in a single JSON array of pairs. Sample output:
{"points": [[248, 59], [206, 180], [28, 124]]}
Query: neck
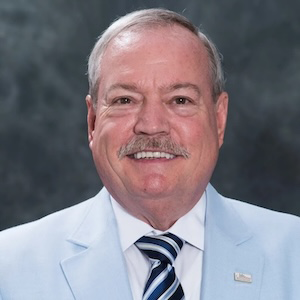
{"points": [[162, 214]]}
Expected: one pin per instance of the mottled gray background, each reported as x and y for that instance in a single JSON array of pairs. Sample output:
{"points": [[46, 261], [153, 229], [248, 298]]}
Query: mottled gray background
{"points": [[45, 163]]}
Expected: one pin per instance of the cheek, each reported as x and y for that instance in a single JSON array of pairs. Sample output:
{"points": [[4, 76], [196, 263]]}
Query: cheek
{"points": [[198, 134], [190, 131], [109, 135], [104, 151]]}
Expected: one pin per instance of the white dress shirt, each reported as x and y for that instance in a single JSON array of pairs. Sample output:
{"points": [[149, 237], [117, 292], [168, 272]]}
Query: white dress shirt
{"points": [[188, 264]]}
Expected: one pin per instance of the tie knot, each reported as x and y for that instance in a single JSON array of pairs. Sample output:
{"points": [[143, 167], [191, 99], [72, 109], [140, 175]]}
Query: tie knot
{"points": [[164, 247]]}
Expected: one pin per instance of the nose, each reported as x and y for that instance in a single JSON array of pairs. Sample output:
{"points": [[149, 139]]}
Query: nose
{"points": [[152, 119]]}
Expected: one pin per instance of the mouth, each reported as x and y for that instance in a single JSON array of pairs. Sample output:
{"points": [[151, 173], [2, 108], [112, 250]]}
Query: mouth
{"points": [[146, 149], [151, 155]]}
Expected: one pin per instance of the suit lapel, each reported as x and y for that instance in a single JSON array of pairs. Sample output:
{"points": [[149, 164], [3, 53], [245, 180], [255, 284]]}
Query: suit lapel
{"points": [[95, 268], [229, 248]]}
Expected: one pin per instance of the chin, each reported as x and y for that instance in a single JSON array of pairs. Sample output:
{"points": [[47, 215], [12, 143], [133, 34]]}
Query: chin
{"points": [[154, 186]]}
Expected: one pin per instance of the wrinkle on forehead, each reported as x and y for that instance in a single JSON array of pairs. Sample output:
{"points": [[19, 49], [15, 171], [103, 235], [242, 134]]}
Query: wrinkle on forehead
{"points": [[156, 62]]}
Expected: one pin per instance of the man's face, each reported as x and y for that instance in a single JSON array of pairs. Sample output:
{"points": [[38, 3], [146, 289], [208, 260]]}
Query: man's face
{"points": [[155, 95]]}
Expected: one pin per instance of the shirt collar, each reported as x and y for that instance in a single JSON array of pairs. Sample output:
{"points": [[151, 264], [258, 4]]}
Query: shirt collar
{"points": [[189, 227]]}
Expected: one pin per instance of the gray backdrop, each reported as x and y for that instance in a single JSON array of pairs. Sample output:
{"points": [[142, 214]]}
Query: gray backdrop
{"points": [[45, 163]]}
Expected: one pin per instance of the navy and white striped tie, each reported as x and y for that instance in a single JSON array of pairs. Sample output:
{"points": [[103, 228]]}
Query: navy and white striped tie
{"points": [[162, 251]]}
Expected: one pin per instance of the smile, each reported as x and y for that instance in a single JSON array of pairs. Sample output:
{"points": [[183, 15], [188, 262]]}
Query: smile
{"points": [[151, 155]]}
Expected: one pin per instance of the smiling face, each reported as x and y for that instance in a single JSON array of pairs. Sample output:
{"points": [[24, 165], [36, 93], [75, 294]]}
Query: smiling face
{"points": [[156, 132]]}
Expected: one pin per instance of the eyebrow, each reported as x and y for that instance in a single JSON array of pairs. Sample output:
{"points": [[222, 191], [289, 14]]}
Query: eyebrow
{"points": [[171, 88], [124, 86], [120, 86], [184, 85]]}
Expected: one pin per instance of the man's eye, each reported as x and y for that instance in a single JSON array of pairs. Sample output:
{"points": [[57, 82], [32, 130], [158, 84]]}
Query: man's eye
{"points": [[123, 100], [181, 100]]}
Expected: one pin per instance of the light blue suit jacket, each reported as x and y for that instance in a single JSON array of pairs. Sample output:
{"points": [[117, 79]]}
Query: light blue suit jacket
{"points": [[76, 254]]}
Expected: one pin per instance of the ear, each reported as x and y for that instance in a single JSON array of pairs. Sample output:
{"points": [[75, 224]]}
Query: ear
{"points": [[221, 115], [91, 119]]}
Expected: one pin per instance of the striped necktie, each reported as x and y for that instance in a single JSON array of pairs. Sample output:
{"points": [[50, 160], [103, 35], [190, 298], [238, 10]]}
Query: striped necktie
{"points": [[162, 251]]}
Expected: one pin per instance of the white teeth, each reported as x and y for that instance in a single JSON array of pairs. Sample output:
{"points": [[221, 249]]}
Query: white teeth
{"points": [[149, 154], [155, 154]]}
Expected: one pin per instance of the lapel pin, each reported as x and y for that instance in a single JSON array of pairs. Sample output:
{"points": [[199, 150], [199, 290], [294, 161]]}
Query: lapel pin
{"points": [[241, 277]]}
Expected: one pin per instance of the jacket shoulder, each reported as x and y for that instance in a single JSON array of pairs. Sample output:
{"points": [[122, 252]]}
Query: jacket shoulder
{"points": [[260, 215], [52, 227], [276, 230]]}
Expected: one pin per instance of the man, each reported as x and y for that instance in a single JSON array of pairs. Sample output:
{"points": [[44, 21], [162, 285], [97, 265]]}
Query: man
{"points": [[158, 230]]}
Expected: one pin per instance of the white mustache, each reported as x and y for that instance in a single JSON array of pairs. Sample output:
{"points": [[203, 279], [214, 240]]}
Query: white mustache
{"points": [[160, 143]]}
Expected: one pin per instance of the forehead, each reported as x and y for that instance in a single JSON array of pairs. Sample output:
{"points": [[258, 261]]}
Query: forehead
{"points": [[134, 38], [155, 49]]}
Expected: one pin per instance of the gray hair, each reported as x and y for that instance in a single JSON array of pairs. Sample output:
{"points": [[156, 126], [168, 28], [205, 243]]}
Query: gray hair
{"points": [[150, 18]]}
